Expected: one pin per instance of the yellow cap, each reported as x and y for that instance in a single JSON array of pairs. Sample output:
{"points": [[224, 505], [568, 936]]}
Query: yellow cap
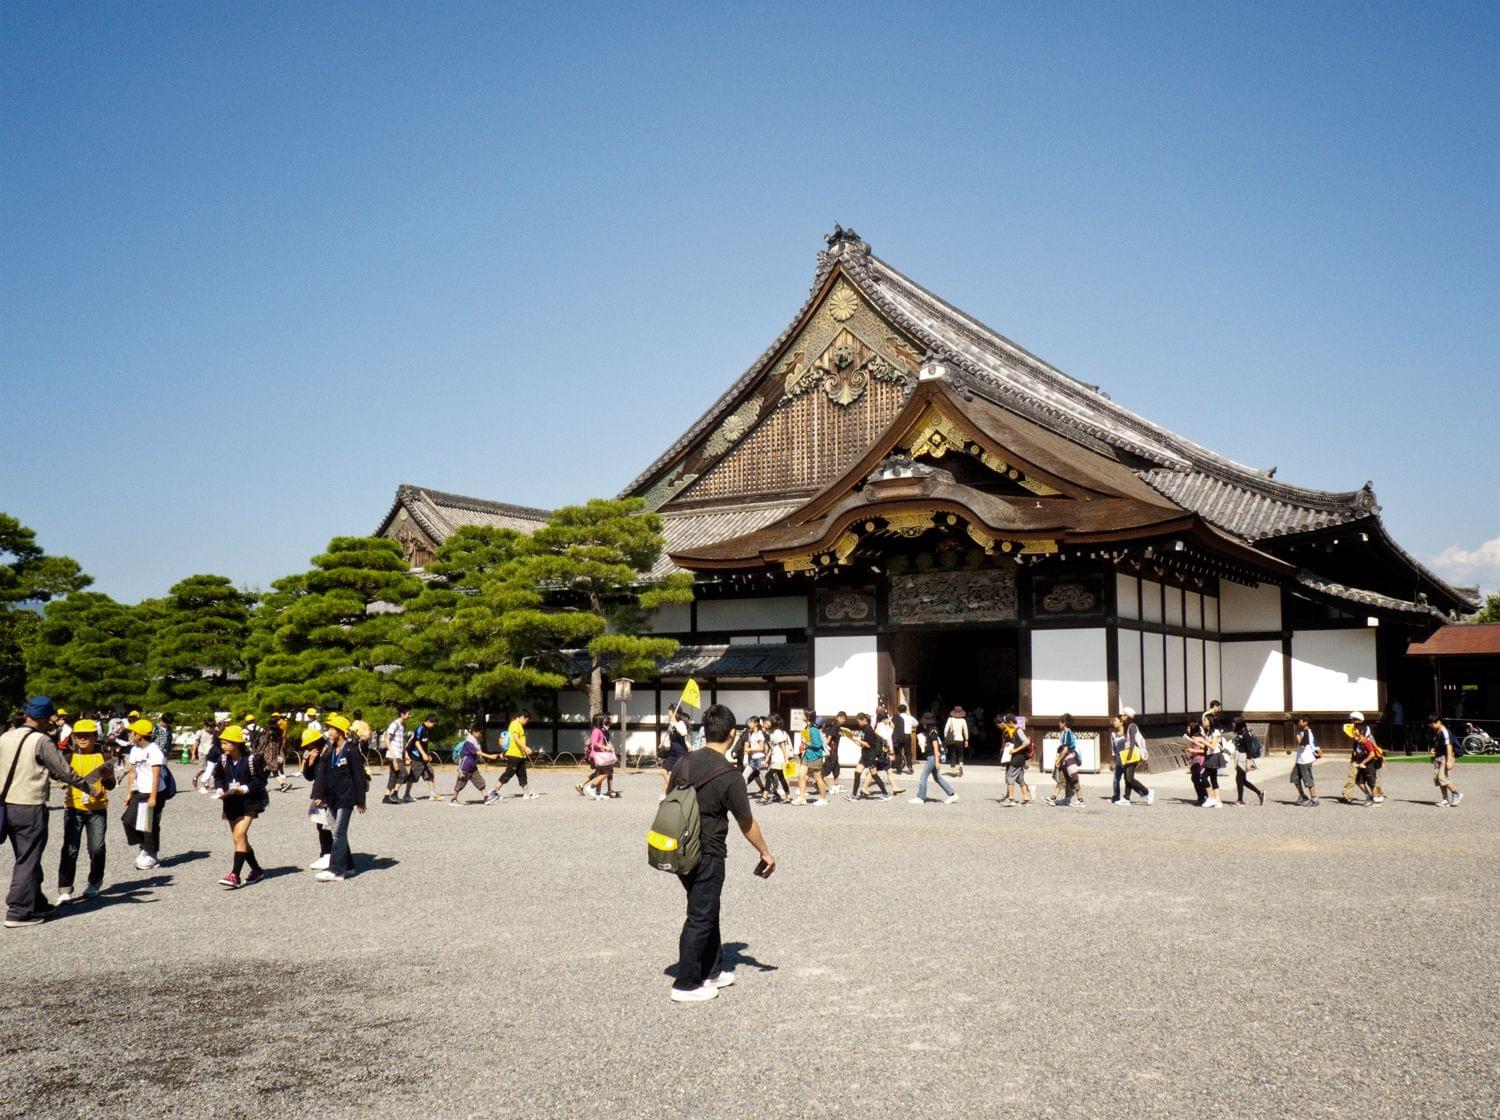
{"points": [[142, 727], [249, 717], [133, 715], [232, 734], [309, 737], [85, 727], [339, 722], [62, 711]]}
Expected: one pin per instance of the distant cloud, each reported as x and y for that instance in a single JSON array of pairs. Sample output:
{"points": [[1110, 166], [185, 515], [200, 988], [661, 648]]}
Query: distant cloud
{"points": [[1469, 566]]}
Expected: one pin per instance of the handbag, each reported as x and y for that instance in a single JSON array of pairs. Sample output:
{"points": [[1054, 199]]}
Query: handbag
{"points": [[790, 769], [604, 757]]}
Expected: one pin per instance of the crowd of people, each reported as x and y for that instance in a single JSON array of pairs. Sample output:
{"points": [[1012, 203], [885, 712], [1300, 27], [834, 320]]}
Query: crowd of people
{"points": [[239, 763]]}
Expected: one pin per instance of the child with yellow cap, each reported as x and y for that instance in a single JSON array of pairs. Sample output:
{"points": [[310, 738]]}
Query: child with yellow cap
{"points": [[85, 813]]}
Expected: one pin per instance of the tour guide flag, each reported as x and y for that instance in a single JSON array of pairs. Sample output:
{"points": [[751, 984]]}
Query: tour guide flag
{"points": [[690, 694]]}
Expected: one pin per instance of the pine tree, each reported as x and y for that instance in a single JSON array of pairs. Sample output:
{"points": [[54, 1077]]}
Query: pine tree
{"points": [[199, 645], [28, 579], [583, 584], [330, 636], [89, 651]]}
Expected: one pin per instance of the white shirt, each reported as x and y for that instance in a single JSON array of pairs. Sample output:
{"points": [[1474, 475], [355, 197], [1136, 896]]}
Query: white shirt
{"points": [[780, 744], [886, 731], [1307, 748], [908, 721], [395, 740], [956, 730], [142, 759]]}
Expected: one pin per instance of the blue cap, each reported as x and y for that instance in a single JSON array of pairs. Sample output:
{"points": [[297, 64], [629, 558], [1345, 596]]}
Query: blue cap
{"points": [[40, 707]]}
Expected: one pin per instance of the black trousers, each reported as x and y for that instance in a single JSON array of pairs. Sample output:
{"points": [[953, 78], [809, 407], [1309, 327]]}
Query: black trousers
{"points": [[699, 946], [150, 842], [514, 768], [26, 829]]}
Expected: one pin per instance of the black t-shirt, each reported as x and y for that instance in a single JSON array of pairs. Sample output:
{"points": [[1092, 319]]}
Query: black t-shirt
{"points": [[421, 740], [718, 798]]}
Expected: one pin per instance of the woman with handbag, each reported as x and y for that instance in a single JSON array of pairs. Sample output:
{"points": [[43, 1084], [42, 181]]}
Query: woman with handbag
{"points": [[1244, 760], [1132, 754], [1197, 755], [1213, 762], [601, 756]]}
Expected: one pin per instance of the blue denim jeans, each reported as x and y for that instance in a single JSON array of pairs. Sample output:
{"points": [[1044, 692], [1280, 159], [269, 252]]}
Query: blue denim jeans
{"points": [[76, 825], [930, 770], [339, 860]]}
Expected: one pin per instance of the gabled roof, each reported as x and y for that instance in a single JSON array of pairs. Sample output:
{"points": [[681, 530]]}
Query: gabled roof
{"points": [[1241, 500], [439, 514]]}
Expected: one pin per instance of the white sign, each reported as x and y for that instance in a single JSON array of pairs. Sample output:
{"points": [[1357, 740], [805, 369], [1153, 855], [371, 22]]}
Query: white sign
{"points": [[1088, 751]]}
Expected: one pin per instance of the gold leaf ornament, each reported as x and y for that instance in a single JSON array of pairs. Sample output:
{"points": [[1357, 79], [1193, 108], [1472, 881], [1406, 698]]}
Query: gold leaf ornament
{"points": [[842, 304]]}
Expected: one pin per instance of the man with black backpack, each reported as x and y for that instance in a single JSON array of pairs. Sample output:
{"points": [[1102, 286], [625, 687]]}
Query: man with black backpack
{"points": [[720, 788]]}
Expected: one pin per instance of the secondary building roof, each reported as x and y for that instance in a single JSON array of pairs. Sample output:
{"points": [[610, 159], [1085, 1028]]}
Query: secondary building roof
{"points": [[1473, 640]]}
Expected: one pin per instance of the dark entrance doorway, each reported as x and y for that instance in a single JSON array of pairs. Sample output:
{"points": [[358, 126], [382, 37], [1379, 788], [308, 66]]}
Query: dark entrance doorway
{"points": [[973, 666]]}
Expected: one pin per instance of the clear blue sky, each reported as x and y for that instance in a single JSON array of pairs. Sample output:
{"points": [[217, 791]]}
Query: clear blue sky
{"points": [[262, 262]]}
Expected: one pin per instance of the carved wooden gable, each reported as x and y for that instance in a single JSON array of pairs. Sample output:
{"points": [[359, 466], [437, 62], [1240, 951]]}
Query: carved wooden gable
{"points": [[835, 388]]}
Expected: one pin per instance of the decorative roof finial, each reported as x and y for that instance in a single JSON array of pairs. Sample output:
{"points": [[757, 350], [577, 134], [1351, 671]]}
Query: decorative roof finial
{"points": [[841, 237]]}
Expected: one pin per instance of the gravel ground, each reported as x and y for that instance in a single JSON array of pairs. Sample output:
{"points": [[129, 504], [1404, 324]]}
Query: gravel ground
{"points": [[932, 961]]}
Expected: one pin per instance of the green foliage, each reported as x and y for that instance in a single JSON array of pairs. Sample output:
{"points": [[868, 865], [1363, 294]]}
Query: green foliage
{"points": [[582, 585], [1490, 612], [28, 577], [330, 636], [198, 645], [89, 650]]}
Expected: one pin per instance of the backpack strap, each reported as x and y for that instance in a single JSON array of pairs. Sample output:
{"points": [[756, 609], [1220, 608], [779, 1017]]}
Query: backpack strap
{"points": [[683, 777], [14, 759]]}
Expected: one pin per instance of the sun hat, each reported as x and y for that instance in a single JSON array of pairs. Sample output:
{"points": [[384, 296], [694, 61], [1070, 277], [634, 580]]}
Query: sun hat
{"points": [[311, 736], [338, 723], [85, 727], [141, 726]]}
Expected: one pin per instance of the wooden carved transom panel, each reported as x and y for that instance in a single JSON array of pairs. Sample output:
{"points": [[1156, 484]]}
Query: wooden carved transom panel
{"points": [[983, 595]]}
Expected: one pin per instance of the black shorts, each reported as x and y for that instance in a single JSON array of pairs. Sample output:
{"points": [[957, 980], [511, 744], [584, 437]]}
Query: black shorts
{"points": [[868, 757]]}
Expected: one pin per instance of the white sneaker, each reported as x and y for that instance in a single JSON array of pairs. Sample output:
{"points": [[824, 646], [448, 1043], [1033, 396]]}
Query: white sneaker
{"points": [[1119, 801], [319, 864], [588, 791], [1443, 804], [724, 978], [824, 802], [144, 862], [65, 896], [1457, 797], [530, 796], [917, 800], [1150, 796], [329, 877], [694, 995], [951, 799]]}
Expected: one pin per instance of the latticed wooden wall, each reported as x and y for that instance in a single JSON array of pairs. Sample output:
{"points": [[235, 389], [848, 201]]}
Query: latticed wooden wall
{"points": [[801, 445]]}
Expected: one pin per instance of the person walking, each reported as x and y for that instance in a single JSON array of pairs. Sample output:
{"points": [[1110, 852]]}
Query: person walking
{"points": [[1365, 761], [85, 812], [394, 737], [147, 800], [778, 753], [469, 754], [313, 746], [601, 759], [340, 786], [812, 746], [516, 754], [929, 745], [240, 779], [1246, 751], [677, 745], [1132, 755], [360, 731], [956, 736], [869, 759], [1068, 765], [1302, 765], [1214, 762], [721, 793], [419, 760], [1442, 762], [28, 758], [1015, 752]]}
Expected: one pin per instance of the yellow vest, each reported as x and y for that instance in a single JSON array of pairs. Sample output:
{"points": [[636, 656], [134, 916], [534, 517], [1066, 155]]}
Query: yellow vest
{"points": [[83, 765]]}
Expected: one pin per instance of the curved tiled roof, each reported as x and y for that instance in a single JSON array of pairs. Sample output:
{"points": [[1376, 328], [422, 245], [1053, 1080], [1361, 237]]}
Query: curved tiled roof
{"points": [[440, 514]]}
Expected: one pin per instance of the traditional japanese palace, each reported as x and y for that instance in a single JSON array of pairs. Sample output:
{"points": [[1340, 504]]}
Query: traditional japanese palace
{"points": [[895, 500]]}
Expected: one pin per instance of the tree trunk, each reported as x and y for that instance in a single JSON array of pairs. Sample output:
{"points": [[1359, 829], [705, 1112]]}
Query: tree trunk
{"points": [[596, 690]]}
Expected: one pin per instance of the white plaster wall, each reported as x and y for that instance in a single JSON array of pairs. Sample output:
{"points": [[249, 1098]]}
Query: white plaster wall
{"points": [[1150, 600], [1130, 669], [1210, 612], [847, 674], [743, 702], [674, 618], [1243, 609], [1195, 698], [1070, 672], [1156, 680], [1212, 671], [1334, 671], [573, 706], [1127, 592], [1194, 614], [1176, 685], [1252, 677], [1174, 606], [785, 611]]}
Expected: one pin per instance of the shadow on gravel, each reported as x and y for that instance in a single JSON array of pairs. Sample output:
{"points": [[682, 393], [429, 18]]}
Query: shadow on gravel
{"points": [[184, 857], [374, 863], [132, 893], [733, 956]]}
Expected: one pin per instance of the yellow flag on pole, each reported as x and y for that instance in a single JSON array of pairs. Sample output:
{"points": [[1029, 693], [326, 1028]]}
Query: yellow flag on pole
{"points": [[690, 694]]}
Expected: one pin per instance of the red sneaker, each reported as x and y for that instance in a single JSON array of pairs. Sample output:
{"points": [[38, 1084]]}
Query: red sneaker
{"points": [[231, 881]]}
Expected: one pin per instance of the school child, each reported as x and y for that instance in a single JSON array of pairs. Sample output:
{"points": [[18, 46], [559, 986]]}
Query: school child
{"points": [[240, 783], [470, 753], [1015, 753], [85, 814], [1302, 766], [1066, 768], [778, 750], [340, 786], [600, 784]]}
